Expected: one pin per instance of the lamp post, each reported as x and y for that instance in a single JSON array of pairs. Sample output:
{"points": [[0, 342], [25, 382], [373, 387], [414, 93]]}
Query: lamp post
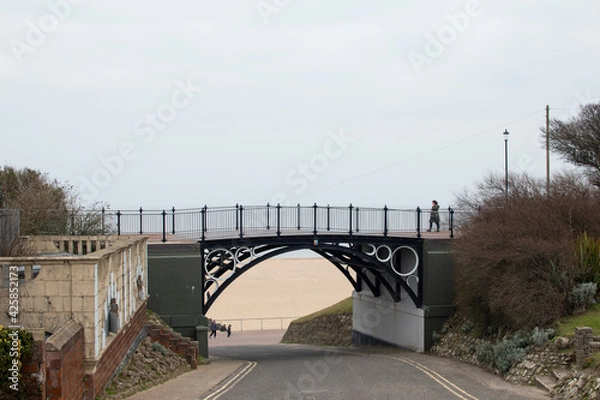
{"points": [[505, 134]]}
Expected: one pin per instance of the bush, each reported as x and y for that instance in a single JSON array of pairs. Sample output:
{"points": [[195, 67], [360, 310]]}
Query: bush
{"points": [[588, 258], [582, 296], [539, 337], [515, 262], [506, 354], [485, 353], [28, 386]]}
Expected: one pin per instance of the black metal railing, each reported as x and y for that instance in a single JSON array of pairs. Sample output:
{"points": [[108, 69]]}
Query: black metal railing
{"points": [[241, 221]]}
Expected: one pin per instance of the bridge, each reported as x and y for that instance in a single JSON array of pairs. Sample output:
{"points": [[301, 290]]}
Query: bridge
{"points": [[400, 274]]}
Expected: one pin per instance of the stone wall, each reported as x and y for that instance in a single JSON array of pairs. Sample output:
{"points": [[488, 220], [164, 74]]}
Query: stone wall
{"points": [[90, 293], [57, 287]]}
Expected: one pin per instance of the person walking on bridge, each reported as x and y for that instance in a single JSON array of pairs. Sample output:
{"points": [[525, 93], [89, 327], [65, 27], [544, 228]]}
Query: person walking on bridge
{"points": [[434, 216]]}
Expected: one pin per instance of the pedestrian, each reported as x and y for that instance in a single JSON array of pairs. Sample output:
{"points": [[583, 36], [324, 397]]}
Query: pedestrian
{"points": [[228, 330], [213, 328], [434, 216]]}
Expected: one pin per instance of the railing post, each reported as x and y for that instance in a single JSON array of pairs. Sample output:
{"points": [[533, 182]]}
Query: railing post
{"points": [[241, 208], [315, 219], [451, 211], [356, 223], [164, 226], [278, 219], [328, 218], [419, 222], [141, 219], [298, 216], [203, 227], [268, 216], [173, 211], [119, 222], [237, 222], [350, 222], [385, 220]]}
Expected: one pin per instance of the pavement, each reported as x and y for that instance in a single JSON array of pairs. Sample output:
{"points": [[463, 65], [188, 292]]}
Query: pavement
{"points": [[195, 384]]}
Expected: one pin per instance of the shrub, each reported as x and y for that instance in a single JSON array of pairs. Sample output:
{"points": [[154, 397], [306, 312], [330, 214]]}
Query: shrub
{"points": [[467, 326], [582, 296], [28, 387], [159, 348], [588, 258], [539, 337], [515, 260], [506, 354], [485, 353]]}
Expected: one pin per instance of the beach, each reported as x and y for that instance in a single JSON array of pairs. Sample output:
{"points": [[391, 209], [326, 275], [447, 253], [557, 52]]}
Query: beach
{"points": [[278, 290]]}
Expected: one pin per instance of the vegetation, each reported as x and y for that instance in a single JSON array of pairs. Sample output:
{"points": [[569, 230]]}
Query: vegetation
{"points": [[566, 325], [16, 345], [46, 206], [578, 140], [343, 307], [522, 257]]}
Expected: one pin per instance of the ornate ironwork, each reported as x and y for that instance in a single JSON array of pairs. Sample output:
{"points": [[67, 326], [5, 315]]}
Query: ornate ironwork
{"points": [[389, 266]]}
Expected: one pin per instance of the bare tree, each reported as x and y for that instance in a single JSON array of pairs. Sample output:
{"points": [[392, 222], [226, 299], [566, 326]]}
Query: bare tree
{"points": [[46, 205], [578, 140]]}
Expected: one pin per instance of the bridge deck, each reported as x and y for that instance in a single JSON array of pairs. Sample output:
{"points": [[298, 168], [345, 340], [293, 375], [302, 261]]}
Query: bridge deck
{"points": [[276, 221]]}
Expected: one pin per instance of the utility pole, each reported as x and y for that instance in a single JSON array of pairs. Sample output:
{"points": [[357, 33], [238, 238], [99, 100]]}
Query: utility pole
{"points": [[547, 149]]}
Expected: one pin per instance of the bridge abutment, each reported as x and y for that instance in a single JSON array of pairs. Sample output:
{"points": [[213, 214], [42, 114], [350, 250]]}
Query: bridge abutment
{"points": [[382, 321]]}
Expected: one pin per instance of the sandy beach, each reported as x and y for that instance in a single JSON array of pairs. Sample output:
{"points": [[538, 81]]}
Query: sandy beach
{"points": [[277, 291]]}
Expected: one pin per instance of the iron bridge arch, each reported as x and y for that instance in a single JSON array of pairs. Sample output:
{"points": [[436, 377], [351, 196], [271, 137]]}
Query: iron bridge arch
{"points": [[389, 266]]}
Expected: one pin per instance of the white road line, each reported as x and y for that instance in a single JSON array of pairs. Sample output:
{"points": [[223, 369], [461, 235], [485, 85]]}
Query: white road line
{"points": [[451, 387], [232, 381]]}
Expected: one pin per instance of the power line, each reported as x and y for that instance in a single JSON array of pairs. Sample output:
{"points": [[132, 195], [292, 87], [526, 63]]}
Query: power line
{"points": [[357, 177]]}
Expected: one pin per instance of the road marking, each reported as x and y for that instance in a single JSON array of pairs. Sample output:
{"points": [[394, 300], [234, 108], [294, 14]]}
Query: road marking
{"points": [[232, 381], [451, 387]]}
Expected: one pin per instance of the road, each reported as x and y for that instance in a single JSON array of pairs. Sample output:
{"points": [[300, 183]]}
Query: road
{"points": [[295, 372]]}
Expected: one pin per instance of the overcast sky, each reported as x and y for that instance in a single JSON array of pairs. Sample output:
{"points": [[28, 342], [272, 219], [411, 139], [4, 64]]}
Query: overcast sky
{"points": [[181, 103]]}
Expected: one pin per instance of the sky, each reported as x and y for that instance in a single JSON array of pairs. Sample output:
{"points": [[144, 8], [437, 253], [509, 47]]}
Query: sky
{"points": [[185, 104]]}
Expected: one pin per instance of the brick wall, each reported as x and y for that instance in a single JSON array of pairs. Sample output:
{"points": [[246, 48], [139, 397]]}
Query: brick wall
{"points": [[64, 352], [115, 352], [185, 347]]}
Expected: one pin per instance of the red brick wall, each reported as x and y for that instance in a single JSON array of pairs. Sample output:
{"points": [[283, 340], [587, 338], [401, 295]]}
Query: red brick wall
{"points": [[185, 347], [32, 370], [114, 353], [64, 369]]}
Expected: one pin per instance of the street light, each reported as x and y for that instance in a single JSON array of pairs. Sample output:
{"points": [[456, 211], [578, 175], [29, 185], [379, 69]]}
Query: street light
{"points": [[505, 134]]}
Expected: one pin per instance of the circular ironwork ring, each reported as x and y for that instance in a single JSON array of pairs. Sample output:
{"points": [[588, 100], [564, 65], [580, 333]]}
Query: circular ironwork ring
{"points": [[207, 260], [416, 261], [242, 249], [372, 251], [389, 256]]}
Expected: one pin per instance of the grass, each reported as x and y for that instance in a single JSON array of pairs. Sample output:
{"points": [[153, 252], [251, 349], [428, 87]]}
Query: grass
{"points": [[591, 318], [343, 307]]}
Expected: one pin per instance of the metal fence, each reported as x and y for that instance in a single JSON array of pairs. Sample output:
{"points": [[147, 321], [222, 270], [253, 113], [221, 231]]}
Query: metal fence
{"points": [[271, 220], [9, 230]]}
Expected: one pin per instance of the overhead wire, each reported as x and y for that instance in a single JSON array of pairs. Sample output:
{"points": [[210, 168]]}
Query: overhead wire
{"points": [[424, 154]]}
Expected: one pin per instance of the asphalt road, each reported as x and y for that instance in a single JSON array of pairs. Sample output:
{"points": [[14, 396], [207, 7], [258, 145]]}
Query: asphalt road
{"points": [[275, 371]]}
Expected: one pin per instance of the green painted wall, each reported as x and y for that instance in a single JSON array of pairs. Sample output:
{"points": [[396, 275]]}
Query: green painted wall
{"points": [[174, 285], [438, 286]]}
